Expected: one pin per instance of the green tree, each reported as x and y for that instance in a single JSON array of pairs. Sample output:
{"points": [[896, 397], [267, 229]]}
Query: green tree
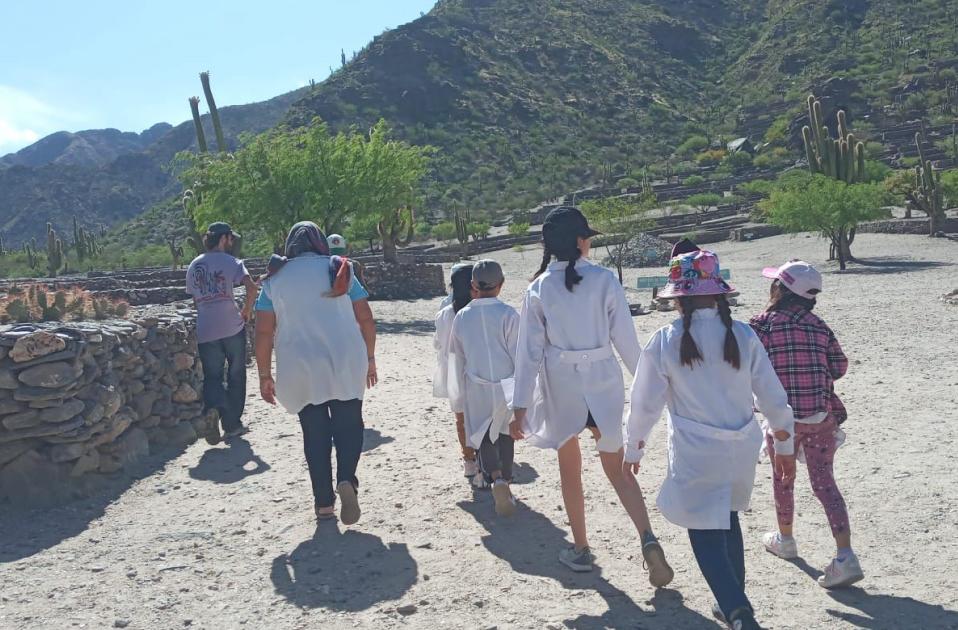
{"points": [[816, 203], [518, 229], [478, 230], [619, 219], [693, 180], [692, 145], [703, 202]]}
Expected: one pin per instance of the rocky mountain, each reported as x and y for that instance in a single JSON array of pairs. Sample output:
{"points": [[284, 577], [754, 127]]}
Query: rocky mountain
{"points": [[106, 177], [526, 100], [94, 147]]}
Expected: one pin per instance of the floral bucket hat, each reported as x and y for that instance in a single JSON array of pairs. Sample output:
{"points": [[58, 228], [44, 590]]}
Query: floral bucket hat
{"points": [[695, 273]]}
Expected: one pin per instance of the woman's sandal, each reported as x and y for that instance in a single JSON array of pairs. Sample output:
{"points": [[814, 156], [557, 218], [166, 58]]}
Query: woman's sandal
{"points": [[349, 513]]}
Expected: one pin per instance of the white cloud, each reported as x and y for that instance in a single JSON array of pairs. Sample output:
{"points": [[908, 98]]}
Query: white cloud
{"points": [[24, 119]]}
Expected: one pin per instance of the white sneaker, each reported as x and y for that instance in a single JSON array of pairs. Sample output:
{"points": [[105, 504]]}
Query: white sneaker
{"points": [[842, 573], [782, 547], [470, 468]]}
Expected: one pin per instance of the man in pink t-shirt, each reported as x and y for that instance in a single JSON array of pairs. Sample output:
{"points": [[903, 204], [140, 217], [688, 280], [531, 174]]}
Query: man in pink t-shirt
{"points": [[221, 326]]}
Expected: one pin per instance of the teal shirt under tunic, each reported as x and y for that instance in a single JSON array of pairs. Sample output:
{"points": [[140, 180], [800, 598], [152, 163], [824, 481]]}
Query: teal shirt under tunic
{"points": [[356, 292]]}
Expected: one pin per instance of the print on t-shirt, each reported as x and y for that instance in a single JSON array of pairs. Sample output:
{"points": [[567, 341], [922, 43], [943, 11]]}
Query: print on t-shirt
{"points": [[209, 285]]}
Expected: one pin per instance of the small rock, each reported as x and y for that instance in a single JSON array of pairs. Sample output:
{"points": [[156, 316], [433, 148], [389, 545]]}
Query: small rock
{"points": [[121, 623], [407, 609], [62, 413], [67, 452], [50, 375], [87, 463], [183, 361], [36, 344]]}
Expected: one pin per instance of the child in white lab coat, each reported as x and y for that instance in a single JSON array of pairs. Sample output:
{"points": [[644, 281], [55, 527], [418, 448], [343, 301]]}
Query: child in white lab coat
{"points": [[709, 370], [461, 284], [482, 347], [567, 378]]}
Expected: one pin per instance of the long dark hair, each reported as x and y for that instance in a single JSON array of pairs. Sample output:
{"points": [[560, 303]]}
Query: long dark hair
{"points": [[689, 351], [461, 281], [563, 252], [781, 297]]}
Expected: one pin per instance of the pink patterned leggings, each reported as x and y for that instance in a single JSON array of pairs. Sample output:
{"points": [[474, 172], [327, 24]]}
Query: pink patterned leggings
{"points": [[818, 442]]}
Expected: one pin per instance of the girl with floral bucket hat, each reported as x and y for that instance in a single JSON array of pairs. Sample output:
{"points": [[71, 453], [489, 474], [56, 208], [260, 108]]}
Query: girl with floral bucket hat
{"points": [[706, 368]]}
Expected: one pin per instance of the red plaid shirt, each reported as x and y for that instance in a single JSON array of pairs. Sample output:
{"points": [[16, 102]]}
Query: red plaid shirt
{"points": [[807, 358]]}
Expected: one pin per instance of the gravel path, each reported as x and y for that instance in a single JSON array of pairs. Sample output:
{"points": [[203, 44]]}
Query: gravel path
{"points": [[223, 537]]}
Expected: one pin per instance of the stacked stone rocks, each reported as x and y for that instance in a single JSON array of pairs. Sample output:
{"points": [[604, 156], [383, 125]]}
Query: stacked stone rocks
{"points": [[85, 399]]}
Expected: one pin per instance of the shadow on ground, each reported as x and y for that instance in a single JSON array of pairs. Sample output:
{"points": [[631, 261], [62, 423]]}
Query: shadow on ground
{"points": [[530, 543], [229, 464], [406, 327], [343, 570], [27, 530], [883, 265], [372, 439], [887, 612]]}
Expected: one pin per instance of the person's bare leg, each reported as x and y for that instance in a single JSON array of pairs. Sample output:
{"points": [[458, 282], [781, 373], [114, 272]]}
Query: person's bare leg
{"points": [[570, 474], [630, 494]]}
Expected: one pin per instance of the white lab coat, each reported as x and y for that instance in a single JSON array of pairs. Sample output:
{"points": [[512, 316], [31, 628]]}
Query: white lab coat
{"points": [[565, 367], [440, 342], [482, 351], [320, 352], [713, 432]]}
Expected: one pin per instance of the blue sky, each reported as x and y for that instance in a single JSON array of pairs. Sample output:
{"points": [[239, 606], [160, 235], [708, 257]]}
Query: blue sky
{"points": [[72, 65]]}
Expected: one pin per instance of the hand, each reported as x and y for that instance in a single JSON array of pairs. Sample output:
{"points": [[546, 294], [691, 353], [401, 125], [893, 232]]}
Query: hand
{"points": [[247, 314], [515, 427], [785, 467], [633, 467], [267, 389], [371, 376]]}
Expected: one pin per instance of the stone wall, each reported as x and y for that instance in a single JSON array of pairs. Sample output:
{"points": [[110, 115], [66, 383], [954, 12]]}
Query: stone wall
{"points": [[906, 226], [82, 400], [390, 281]]}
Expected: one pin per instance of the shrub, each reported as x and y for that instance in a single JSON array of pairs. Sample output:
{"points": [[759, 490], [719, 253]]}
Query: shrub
{"points": [[693, 180], [518, 229], [627, 182], [736, 162], [692, 145], [445, 231], [710, 158]]}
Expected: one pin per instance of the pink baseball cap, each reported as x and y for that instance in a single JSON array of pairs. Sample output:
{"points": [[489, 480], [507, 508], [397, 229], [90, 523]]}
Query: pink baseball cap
{"points": [[798, 276]]}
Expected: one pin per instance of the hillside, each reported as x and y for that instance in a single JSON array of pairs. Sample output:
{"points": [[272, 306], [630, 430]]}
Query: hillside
{"points": [[529, 100], [107, 177]]}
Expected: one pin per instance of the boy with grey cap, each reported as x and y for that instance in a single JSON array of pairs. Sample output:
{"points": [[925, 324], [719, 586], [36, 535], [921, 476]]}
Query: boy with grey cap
{"points": [[482, 346]]}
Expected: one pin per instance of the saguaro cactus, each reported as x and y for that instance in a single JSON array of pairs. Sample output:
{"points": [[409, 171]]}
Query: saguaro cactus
{"points": [[198, 123], [54, 251], [841, 158], [214, 113], [928, 195], [461, 221]]}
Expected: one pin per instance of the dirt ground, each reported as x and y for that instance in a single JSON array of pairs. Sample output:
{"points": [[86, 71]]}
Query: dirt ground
{"points": [[224, 537]]}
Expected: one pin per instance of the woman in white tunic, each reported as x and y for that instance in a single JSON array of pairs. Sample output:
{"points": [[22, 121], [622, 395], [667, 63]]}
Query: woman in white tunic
{"points": [[316, 315], [709, 371], [461, 284], [567, 378]]}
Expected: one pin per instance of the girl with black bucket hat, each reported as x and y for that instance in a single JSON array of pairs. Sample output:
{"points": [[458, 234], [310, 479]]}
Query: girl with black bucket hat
{"points": [[567, 378]]}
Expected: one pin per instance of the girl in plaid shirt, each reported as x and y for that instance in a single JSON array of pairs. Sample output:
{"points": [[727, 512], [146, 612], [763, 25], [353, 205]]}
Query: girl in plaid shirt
{"points": [[808, 359]]}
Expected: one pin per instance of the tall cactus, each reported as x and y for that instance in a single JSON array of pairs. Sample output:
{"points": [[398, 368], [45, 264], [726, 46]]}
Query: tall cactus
{"points": [[3, 250], [198, 123], [461, 221], [54, 251], [31, 253], [214, 113], [391, 228], [841, 158], [928, 195]]}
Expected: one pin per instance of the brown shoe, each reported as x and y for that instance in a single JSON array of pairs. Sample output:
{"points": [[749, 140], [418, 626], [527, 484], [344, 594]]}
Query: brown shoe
{"points": [[212, 434], [660, 573]]}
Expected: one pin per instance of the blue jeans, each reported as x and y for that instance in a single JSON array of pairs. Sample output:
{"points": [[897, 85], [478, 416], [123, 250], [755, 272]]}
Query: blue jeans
{"points": [[225, 359], [720, 554], [338, 422]]}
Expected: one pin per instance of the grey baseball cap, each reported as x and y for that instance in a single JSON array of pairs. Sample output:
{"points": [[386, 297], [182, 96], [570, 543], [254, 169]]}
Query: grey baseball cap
{"points": [[487, 274]]}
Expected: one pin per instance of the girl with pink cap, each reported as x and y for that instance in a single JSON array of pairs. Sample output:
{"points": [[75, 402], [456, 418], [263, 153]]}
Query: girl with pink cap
{"points": [[706, 368], [808, 359]]}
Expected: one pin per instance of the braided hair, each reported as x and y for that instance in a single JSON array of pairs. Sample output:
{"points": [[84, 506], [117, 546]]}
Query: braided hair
{"points": [[688, 350], [568, 254]]}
